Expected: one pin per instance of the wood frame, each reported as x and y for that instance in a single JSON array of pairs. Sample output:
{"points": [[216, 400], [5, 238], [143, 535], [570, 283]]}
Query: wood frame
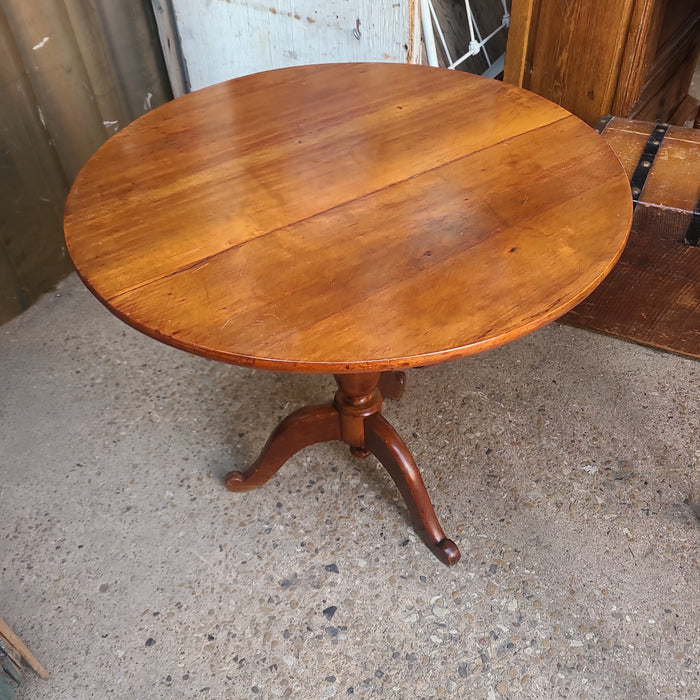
{"points": [[634, 58]]}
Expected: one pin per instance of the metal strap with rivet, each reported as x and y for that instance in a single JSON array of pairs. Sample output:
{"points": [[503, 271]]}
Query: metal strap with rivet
{"points": [[646, 160]]}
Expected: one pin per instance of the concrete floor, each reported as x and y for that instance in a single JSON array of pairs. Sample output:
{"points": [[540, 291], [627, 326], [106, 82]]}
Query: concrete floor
{"points": [[561, 464]]}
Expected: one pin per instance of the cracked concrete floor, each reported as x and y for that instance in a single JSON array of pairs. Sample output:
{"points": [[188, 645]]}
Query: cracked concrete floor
{"points": [[561, 464]]}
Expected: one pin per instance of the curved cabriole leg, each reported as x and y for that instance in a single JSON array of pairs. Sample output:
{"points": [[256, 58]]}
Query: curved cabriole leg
{"points": [[300, 429], [388, 447]]}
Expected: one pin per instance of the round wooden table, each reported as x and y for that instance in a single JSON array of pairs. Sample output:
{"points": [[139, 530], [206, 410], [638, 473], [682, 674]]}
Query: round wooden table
{"points": [[355, 219]]}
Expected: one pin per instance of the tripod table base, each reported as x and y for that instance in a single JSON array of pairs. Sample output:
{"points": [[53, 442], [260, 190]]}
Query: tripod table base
{"points": [[355, 418]]}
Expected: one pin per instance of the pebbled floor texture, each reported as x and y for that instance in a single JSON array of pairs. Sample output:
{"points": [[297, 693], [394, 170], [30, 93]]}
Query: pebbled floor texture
{"points": [[566, 466]]}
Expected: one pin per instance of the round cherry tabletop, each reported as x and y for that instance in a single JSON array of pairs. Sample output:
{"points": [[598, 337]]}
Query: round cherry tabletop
{"points": [[348, 218]]}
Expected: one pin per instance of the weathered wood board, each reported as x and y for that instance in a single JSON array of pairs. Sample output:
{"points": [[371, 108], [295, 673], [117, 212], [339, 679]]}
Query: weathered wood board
{"points": [[652, 296], [223, 39]]}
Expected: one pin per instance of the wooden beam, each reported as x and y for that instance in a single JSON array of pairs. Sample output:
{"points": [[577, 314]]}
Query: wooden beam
{"points": [[14, 641], [518, 41]]}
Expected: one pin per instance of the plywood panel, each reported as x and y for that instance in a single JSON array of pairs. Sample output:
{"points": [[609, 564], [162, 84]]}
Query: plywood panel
{"points": [[223, 39]]}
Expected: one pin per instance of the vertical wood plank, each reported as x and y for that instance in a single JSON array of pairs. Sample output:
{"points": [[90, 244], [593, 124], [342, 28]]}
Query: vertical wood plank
{"points": [[577, 54], [520, 36], [644, 32], [171, 45]]}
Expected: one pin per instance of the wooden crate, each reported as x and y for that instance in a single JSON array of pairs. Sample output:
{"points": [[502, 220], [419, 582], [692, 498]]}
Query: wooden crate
{"points": [[652, 296]]}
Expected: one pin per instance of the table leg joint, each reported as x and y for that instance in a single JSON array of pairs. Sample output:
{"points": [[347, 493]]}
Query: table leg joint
{"points": [[357, 398]]}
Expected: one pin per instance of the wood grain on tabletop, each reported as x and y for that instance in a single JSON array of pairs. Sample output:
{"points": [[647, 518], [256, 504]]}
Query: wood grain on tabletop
{"points": [[348, 217]]}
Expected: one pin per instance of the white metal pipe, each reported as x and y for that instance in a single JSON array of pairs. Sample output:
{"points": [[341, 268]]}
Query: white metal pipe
{"points": [[482, 42], [470, 19], [441, 34], [480, 45], [506, 14], [428, 35]]}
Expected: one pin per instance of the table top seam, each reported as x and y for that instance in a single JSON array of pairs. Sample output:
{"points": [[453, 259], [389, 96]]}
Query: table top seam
{"points": [[206, 259]]}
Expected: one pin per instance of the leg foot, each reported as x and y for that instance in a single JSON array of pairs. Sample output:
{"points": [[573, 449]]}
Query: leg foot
{"points": [[302, 428], [359, 452], [386, 444]]}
